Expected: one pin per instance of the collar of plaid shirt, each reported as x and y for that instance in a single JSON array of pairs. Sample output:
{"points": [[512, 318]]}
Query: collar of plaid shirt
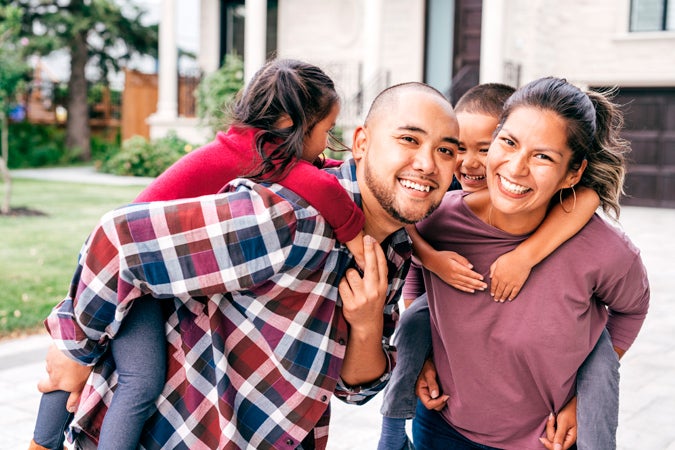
{"points": [[256, 337]]}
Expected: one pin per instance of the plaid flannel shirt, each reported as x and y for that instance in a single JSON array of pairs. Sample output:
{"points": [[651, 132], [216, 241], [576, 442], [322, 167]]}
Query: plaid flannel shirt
{"points": [[255, 333]]}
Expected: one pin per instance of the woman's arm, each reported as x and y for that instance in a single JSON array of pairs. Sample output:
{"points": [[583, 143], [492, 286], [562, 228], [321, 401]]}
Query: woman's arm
{"points": [[510, 271]]}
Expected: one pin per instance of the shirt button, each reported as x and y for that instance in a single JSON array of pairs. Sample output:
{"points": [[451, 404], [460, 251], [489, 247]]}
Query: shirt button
{"points": [[289, 442], [341, 341], [324, 398]]}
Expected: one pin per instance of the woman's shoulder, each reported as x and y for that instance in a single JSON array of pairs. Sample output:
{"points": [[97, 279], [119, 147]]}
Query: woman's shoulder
{"points": [[607, 239]]}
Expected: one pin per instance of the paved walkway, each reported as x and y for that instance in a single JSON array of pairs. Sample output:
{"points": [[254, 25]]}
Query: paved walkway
{"points": [[647, 408]]}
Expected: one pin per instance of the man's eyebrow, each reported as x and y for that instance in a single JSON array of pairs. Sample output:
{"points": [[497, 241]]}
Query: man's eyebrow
{"points": [[451, 140]]}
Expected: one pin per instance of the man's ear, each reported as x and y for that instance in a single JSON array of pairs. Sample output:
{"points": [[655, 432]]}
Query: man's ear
{"points": [[359, 142]]}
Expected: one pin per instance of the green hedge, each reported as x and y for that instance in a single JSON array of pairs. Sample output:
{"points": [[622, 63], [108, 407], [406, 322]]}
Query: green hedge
{"points": [[142, 158]]}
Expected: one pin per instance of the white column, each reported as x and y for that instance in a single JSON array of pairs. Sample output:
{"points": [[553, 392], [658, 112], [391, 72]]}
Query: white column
{"points": [[372, 47], [255, 34], [491, 42], [167, 95], [209, 36]]}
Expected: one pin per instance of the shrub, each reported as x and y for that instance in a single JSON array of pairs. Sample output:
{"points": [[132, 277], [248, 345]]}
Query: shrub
{"points": [[36, 145], [217, 90], [141, 158]]}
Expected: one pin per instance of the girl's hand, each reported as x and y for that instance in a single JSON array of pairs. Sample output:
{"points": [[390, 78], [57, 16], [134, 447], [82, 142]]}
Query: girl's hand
{"points": [[508, 275], [455, 270]]}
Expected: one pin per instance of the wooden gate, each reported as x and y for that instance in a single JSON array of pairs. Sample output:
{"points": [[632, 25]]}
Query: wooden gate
{"points": [[139, 101]]}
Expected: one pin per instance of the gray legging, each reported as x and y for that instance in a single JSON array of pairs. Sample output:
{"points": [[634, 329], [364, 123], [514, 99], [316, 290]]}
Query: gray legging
{"points": [[139, 352]]}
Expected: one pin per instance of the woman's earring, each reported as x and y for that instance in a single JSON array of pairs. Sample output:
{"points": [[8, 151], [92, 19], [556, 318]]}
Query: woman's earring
{"points": [[574, 203]]}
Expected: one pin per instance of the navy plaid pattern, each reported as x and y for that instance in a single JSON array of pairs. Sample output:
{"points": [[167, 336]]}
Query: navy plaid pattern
{"points": [[256, 336]]}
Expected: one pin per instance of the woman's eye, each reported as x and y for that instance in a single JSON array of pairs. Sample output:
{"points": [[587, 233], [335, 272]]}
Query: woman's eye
{"points": [[461, 149], [543, 156], [483, 150], [509, 142]]}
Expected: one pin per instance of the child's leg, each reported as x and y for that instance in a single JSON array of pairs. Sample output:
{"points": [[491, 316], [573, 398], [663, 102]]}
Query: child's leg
{"points": [[139, 351], [52, 420], [598, 397], [413, 344]]}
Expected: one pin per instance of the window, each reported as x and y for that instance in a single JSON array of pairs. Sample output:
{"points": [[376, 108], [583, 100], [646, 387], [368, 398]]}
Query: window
{"points": [[652, 15]]}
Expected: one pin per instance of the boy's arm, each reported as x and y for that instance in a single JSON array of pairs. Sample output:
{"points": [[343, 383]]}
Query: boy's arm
{"points": [[451, 267], [510, 271]]}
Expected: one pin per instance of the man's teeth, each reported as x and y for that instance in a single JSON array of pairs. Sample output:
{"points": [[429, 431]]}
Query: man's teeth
{"points": [[412, 185], [512, 187]]}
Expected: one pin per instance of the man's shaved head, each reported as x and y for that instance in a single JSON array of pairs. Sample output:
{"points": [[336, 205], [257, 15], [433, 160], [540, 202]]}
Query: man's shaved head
{"points": [[390, 95]]}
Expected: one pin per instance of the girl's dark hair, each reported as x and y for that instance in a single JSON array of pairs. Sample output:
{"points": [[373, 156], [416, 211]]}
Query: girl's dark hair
{"points": [[283, 87], [593, 132]]}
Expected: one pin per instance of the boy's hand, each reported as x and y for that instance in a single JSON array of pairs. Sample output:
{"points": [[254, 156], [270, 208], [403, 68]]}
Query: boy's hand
{"points": [[355, 246], [455, 270], [508, 275], [427, 388], [561, 430], [64, 374]]}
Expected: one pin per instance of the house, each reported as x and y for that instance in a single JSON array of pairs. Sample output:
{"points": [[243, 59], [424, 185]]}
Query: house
{"points": [[366, 45]]}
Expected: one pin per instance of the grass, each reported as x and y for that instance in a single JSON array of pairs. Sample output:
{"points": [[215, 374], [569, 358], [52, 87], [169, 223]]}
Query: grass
{"points": [[38, 253]]}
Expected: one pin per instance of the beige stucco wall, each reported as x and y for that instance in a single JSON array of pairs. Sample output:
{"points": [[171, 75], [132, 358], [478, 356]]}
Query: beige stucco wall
{"points": [[587, 42], [332, 31]]}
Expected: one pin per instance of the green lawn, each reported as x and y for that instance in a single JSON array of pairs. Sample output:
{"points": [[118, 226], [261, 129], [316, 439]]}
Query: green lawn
{"points": [[38, 253]]}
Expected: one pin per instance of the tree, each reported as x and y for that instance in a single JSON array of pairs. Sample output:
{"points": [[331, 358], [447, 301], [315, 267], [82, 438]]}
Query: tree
{"points": [[12, 73], [98, 33]]}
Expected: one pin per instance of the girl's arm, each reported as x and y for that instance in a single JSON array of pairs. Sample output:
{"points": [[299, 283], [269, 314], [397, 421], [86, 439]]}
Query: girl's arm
{"points": [[325, 193], [510, 271], [451, 267]]}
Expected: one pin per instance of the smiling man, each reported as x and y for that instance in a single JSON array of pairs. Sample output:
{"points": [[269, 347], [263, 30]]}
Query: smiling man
{"points": [[261, 325]]}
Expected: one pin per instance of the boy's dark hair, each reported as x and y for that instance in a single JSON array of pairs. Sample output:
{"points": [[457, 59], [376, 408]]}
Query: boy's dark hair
{"points": [[283, 87], [486, 98]]}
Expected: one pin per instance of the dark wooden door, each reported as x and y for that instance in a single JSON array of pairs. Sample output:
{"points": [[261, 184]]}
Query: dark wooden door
{"points": [[466, 58], [650, 127]]}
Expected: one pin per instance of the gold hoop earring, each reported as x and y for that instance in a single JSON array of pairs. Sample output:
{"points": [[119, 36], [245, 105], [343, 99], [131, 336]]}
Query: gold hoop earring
{"points": [[574, 203]]}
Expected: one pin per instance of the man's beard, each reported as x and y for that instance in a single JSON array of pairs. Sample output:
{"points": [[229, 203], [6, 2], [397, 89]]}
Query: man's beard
{"points": [[387, 199]]}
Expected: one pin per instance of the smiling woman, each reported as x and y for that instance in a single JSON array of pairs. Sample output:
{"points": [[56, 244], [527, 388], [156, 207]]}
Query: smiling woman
{"points": [[552, 136]]}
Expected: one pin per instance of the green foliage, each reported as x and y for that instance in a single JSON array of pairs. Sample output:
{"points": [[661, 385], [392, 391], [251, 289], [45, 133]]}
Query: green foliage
{"points": [[217, 91], [32, 145], [113, 30], [38, 254], [36, 145], [141, 158]]}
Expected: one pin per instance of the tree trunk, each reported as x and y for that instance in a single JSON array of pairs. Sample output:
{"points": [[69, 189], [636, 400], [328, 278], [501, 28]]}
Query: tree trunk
{"points": [[6, 177], [77, 127]]}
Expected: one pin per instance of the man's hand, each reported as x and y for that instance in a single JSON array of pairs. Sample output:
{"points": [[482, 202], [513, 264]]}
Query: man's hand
{"points": [[561, 430], [363, 302], [363, 298], [427, 388], [64, 374]]}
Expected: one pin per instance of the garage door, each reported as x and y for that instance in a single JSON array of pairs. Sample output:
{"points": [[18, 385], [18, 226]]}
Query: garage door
{"points": [[650, 127]]}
